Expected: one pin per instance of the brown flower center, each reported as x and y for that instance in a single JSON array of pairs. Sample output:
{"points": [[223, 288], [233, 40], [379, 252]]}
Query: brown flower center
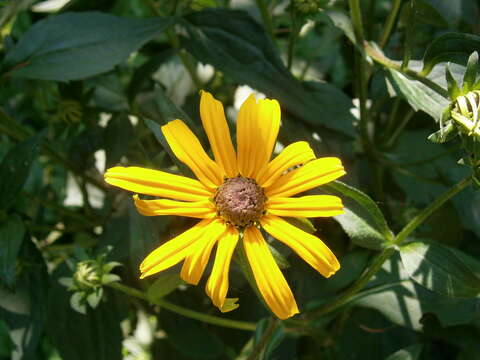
{"points": [[240, 201]]}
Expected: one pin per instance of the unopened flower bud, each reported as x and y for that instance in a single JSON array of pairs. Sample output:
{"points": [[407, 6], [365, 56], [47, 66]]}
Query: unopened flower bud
{"points": [[465, 113]]}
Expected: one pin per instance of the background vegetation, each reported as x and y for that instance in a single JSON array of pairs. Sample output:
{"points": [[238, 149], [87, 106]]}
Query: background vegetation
{"points": [[85, 86]]}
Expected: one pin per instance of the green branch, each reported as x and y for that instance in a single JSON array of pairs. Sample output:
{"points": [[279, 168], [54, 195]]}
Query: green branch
{"points": [[267, 20], [387, 29]]}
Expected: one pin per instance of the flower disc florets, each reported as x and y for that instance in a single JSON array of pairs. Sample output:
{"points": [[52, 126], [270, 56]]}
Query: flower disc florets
{"points": [[240, 201]]}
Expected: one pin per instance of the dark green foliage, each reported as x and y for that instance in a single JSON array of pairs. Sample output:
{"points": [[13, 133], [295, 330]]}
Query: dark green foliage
{"points": [[88, 86]]}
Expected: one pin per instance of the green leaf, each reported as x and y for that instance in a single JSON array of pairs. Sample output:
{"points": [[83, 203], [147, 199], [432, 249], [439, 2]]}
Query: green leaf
{"points": [[422, 168], [363, 220], [24, 311], [163, 285], [78, 302], [240, 48], [12, 233], [428, 14], [404, 302], [95, 335], [419, 96], [409, 353], [368, 335], [470, 76], [438, 269], [15, 169], [73, 46], [450, 47]]}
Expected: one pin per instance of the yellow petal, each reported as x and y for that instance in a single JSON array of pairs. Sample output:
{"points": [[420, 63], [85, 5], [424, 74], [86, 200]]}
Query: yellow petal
{"points": [[196, 261], [188, 150], [216, 127], [174, 250], [257, 130], [305, 206], [294, 154], [308, 247], [157, 183], [315, 173], [217, 284], [197, 209], [270, 281]]}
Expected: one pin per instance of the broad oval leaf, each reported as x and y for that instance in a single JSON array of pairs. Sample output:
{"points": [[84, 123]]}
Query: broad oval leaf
{"points": [[363, 220], [74, 46], [439, 269], [450, 47], [404, 302], [240, 48]]}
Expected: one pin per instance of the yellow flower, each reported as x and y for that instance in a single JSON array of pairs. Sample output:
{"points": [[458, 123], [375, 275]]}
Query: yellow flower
{"points": [[233, 196]]}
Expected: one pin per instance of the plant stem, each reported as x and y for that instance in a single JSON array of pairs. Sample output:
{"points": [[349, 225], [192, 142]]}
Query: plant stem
{"points": [[292, 38], [267, 20], [387, 29], [430, 209], [215, 320], [268, 333], [356, 15]]}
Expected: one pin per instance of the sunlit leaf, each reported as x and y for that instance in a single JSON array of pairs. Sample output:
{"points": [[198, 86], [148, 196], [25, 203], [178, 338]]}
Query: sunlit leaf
{"points": [[363, 220], [439, 269]]}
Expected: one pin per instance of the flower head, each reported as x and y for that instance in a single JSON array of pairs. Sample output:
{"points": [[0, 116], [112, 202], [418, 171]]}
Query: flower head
{"points": [[236, 194]]}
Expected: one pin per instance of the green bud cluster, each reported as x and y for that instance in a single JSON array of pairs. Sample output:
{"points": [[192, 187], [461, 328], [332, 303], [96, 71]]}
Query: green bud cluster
{"points": [[462, 115], [89, 277], [465, 113]]}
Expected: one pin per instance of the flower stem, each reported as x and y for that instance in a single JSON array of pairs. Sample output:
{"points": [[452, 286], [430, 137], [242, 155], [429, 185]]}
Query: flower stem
{"points": [[387, 29], [292, 38], [267, 335], [356, 15], [430, 209], [215, 320]]}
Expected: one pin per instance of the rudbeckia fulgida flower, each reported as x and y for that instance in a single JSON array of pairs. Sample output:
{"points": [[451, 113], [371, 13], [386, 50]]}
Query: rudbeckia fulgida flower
{"points": [[237, 194]]}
